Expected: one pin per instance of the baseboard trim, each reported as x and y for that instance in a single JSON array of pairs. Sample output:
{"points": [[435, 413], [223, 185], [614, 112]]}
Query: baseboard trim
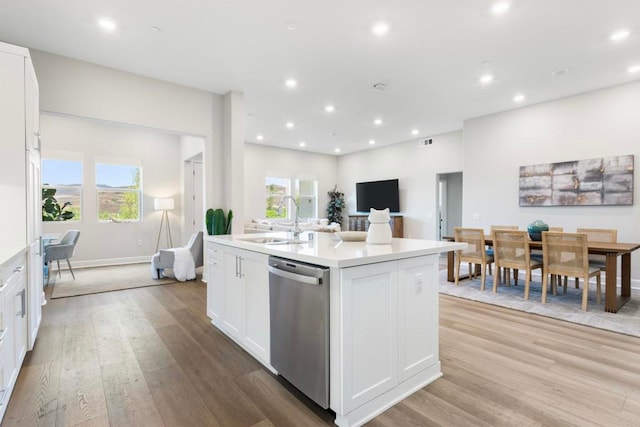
{"points": [[102, 262]]}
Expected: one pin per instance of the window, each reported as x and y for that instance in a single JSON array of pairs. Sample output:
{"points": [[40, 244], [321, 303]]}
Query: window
{"points": [[119, 188], [307, 196], [61, 184], [276, 189]]}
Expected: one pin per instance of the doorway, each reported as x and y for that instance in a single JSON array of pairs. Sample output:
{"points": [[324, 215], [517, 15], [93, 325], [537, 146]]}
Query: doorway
{"points": [[449, 203], [193, 196]]}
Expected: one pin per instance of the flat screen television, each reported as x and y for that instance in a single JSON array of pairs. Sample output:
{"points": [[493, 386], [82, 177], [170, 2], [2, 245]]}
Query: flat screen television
{"points": [[378, 195]]}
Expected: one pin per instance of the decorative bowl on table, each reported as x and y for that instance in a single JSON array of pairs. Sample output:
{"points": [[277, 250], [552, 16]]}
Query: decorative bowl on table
{"points": [[536, 228], [352, 236]]}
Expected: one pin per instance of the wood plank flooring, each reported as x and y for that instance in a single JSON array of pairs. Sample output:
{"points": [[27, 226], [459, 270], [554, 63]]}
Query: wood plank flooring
{"points": [[150, 357]]}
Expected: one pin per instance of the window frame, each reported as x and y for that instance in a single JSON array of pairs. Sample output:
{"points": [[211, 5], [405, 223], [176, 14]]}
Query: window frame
{"points": [[287, 206], [132, 163], [66, 156]]}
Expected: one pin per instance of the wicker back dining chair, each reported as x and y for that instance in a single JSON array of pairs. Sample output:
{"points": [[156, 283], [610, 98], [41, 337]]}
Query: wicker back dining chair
{"points": [[475, 252], [567, 254], [511, 251], [608, 235]]}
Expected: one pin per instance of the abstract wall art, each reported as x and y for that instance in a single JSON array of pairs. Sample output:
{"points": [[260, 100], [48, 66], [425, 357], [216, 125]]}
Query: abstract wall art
{"points": [[606, 181]]}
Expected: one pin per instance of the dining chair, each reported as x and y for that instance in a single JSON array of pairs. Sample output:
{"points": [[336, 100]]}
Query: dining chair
{"points": [[607, 235], [505, 272], [475, 252], [511, 251], [567, 254], [61, 250], [537, 253]]}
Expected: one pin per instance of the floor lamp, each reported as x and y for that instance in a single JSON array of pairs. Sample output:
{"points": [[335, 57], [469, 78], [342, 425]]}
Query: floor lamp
{"points": [[164, 205]]}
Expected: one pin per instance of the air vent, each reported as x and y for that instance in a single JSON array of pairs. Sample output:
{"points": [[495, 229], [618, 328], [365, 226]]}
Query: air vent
{"points": [[426, 142]]}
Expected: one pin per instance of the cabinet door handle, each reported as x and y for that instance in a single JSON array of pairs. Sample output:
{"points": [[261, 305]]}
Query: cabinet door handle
{"points": [[18, 269], [241, 273], [4, 394], [4, 332], [22, 295], [237, 268], [3, 286]]}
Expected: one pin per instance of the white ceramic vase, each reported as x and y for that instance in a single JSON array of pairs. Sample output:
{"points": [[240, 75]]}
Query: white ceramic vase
{"points": [[379, 232]]}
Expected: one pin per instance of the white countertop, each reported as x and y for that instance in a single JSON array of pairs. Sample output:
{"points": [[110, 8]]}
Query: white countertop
{"points": [[328, 250]]}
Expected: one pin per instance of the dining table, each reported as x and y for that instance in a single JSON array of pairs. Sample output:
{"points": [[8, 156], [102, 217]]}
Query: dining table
{"points": [[612, 301]]}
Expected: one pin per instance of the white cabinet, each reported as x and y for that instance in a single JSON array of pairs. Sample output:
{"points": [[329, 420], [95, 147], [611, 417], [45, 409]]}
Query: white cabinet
{"points": [[369, 296], [13, 323], [20, 227], [417, 315], [215, 281], [387, 335], [256, 336], [13, 226], [238, 297], [233, 293]]}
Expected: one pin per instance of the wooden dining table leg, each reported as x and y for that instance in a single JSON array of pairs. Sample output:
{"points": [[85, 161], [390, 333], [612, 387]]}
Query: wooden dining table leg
{"points": [[626, 275], [610, 298], [450, 266]]}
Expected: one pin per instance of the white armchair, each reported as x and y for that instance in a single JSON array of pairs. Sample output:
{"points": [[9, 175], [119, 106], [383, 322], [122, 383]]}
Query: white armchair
{"points": [[165, 258]]}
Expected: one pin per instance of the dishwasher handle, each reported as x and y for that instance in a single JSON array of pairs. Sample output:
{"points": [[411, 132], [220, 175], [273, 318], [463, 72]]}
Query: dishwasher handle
{"points": [[309, 280]]}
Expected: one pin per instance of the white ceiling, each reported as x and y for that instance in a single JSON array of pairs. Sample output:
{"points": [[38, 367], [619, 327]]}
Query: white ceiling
{"points": [[430, 60]]}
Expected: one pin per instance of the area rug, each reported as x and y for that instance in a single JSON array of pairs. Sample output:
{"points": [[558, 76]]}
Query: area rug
{"points": [[561, 306], [103, 279]]}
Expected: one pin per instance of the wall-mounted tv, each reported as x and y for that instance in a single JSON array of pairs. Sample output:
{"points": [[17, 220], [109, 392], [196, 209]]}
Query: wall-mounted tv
{"points": [[378, 195]]}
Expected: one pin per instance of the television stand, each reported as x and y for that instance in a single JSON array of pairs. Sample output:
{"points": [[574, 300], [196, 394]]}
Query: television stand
{"points": [[361, 223]]}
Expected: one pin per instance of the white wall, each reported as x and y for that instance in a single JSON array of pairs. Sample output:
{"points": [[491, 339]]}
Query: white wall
{"points": [[262, 161], [415, 167], [82, 89], [598, 124], [107, 242]]}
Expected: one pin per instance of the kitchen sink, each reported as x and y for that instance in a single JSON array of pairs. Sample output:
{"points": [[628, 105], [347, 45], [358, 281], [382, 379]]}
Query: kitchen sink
{"points": [[274, 241]]}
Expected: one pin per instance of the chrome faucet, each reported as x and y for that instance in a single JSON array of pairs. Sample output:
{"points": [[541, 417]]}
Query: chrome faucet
{"points": [[296, 225]]}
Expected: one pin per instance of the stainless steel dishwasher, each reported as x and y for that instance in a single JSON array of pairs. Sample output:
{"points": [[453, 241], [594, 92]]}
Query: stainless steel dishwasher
{"points": [[299, 307]]}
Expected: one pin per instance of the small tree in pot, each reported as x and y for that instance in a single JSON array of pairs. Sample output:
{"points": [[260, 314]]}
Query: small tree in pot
{"points": [[335, 206], [51, 209]]}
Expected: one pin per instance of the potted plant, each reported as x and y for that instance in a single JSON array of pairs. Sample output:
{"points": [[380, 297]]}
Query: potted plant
{"points": [[336, 203], [217, 222], [51, 209]]}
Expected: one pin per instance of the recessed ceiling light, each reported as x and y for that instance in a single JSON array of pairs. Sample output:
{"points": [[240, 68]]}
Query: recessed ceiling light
{"points": [[329, 108], [107, 24], [377, 122], [518, 98], [336, 150], [259, 137], [292, 26], [380, 87], [500, 8], [156, 28], [291, 83], [485, 79], [289, 125], [414, 132], [634, 69], [619, 35], [380, 28], [372, 142], [302, 144]]}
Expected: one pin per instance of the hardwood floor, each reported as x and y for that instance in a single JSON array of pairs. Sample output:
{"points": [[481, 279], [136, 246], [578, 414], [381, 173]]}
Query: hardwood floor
{"points": [[150, 357]]}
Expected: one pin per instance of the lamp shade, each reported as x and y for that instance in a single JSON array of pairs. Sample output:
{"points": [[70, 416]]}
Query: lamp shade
{"points": [[165, 204]]}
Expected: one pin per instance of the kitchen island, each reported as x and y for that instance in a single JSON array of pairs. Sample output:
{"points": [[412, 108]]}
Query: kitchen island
{"points": [[383, 310]]}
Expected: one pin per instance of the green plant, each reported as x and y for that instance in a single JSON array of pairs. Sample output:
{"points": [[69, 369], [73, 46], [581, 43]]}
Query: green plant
{"points": [[336, 203], [217, 222], [51, 209]]}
